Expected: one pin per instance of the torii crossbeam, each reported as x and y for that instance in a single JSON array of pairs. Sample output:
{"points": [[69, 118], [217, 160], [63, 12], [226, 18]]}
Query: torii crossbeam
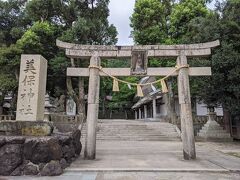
{"points": [[180, 52]]}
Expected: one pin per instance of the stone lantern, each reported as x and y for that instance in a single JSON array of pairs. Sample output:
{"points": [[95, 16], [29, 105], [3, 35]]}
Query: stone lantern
{"points": [[212, 131], [48, 106]]}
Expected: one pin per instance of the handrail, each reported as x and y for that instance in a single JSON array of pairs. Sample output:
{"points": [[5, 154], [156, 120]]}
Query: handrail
{"points": [[6, 117]]}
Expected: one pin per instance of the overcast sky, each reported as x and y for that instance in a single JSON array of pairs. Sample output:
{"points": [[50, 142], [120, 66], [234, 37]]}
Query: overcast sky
{"points": [[120, 11]]}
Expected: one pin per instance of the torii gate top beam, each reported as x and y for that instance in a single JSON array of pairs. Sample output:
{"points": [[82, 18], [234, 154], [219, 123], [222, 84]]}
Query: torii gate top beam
{"points": [[86, 51], [207, 45]]}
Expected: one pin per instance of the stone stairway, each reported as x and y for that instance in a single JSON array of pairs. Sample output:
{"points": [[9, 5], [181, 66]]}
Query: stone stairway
{"points": [[132, 130]]}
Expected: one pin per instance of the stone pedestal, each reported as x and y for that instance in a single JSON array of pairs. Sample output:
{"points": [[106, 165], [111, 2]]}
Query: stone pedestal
{"points": [[26, 128], [212, 131]]}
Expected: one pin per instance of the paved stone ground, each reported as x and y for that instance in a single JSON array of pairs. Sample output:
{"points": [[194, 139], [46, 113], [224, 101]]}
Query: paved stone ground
{"points": [[136, 176], [158, 156], [151, 160]]}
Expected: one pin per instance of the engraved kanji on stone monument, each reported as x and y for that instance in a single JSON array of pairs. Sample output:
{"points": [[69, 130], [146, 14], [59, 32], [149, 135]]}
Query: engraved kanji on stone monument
{"points": [[32, 88]]}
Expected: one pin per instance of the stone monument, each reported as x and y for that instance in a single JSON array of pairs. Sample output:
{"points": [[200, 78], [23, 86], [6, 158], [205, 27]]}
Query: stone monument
{"points": [[32, 88], [31, 100], [28, 145]]}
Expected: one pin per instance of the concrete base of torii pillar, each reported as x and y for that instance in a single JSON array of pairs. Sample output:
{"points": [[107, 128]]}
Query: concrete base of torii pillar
{"points": [[212, 131]]}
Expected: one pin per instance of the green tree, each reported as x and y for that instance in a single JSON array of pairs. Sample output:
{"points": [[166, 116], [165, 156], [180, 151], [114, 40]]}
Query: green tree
{"points": [[91, 27], [223, 87], [40, 39], [35, 25], [44, 10], [151, 25], [9, 63], [226, 59], [13, 21], [150, 21], [123, 99], [59, 12], [182, 14]]}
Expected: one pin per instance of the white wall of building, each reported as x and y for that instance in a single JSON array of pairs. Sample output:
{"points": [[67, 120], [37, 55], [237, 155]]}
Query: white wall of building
{"points": [[201, 109]]}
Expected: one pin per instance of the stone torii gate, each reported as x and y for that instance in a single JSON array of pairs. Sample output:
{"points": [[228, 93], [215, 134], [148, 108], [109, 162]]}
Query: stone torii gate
{"points": [[180, 52]]}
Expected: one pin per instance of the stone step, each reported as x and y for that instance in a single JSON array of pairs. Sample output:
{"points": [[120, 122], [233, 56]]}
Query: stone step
{"points": [[139, 139], [212, 128], [223, 135], [129, 136], [127, 128], [126, 137], [134, 130], [135, 126], [130, 127], [138, 135], [133, 134], [163, 139], [137, 130], [214, 131], [123, 127]]}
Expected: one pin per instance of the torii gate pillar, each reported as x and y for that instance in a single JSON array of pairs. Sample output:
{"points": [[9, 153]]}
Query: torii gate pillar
{"points": [[188, 140], [93, 106]]}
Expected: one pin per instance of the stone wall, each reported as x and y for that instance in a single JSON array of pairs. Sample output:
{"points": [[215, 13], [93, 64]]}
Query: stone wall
{"points": [[66, 123], [45, 156]]}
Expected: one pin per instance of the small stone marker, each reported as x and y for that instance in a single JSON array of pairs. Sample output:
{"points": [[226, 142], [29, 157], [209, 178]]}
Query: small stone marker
{"points": [[32, 87], [71, 107]]}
